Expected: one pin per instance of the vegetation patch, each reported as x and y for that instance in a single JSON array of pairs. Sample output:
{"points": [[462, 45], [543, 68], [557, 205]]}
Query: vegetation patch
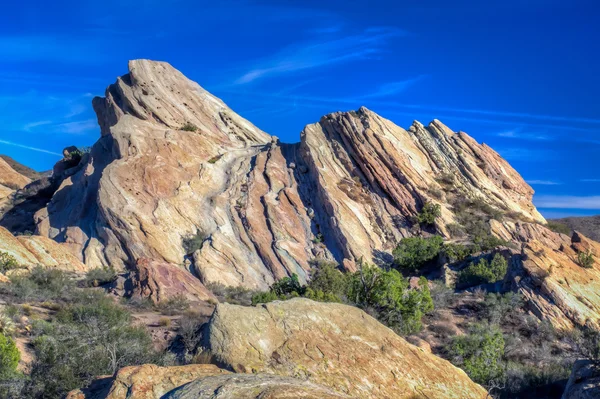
{"points": [[585, 259], [189, 127], [413, 253], [483, 272]]}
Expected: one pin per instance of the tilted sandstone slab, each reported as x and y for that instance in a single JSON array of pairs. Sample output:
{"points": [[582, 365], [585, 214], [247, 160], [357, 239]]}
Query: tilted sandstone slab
{"points": [[173, 162], [549, 276], [334, 345], [372, 176], [30, 251], [584, 382]]}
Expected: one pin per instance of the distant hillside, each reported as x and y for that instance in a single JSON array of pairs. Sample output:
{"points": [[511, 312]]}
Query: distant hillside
{"points": [[22, 169], [588, 225]]}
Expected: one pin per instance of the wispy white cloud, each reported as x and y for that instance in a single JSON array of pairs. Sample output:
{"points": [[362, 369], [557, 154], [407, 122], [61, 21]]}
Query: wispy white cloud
{"points": [[27, 147], [388, 89], [33, 125], [520, 134], [77, 127], [567, 201], [543, 182], [314, 54]]}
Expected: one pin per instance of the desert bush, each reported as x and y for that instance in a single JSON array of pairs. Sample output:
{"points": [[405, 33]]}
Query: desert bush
{"points": [[188, 330], [100, 276], [176, 304], [441, 295], [189, 127], [456, 252], [429, 213], [585, 259], [233, 295], [7, 262], [483, 272], [193, 243], [327, 283], [412, 253], [91, 337], [455, 230], [496, 307], [40, 284], [138, 303], [265, 297], [164, 322], [389, 295], [558, 227], [480, 353], [9, 357]]}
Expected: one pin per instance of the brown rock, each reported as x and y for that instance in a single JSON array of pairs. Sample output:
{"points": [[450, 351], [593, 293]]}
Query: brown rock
{"points": [[160, 281], [334, 345]]}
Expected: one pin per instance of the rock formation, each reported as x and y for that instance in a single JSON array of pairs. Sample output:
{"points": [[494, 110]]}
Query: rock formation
{"points": [[174, 162], [334, 345], [30, 251]]}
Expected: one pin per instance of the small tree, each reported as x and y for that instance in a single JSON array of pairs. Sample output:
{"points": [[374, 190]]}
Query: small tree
{"points": [[429, 213], [585, 259], [480, 353], [483, 272], [413, 252], [7, 262]]}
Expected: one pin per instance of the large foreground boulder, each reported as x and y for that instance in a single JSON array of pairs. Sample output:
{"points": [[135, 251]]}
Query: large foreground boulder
{"points": [[252, 386], [198, 381], [335, 345], [584, 382]]}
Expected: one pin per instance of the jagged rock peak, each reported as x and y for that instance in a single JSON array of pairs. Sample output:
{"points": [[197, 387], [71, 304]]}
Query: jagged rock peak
{"points": [[156, 92]]}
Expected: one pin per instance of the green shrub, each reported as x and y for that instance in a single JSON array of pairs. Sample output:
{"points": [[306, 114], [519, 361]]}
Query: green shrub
{"points": [[189, 127], [89, 338], [585, 259], [265, 297], [413, 252], [498, 307], [558, 227], [7, 262], [100, 276], [193, 243], [456, 252], [327, 283], [40, 284], [429, 213], [389, 294], [483, 272], [233, 295], [9, 357], [480, 353], [455, 230], [176, 304]]}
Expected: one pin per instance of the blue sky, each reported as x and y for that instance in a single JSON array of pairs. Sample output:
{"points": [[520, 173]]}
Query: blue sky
{"points": [[521, 76]]}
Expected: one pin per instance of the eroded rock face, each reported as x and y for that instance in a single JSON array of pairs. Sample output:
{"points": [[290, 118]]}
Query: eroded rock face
{"points": [[334, 345], [174, 162], [30, 251]]}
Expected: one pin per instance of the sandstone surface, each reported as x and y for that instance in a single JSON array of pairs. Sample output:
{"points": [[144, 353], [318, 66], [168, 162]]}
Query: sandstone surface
{"points": [[334, 345]]}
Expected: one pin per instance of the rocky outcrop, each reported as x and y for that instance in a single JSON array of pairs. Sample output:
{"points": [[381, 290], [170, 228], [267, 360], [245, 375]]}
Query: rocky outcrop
{"points": [[30, 251], [160, 281], [145, 382], [584, 382], [174, 162], [334, 345], [10, 178]]}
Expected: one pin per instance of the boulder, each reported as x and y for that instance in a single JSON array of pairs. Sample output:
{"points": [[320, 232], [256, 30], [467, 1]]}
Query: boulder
{"points": [[160, 281], [144, 382], [333, 345], [252, 386], [584, 382]]}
